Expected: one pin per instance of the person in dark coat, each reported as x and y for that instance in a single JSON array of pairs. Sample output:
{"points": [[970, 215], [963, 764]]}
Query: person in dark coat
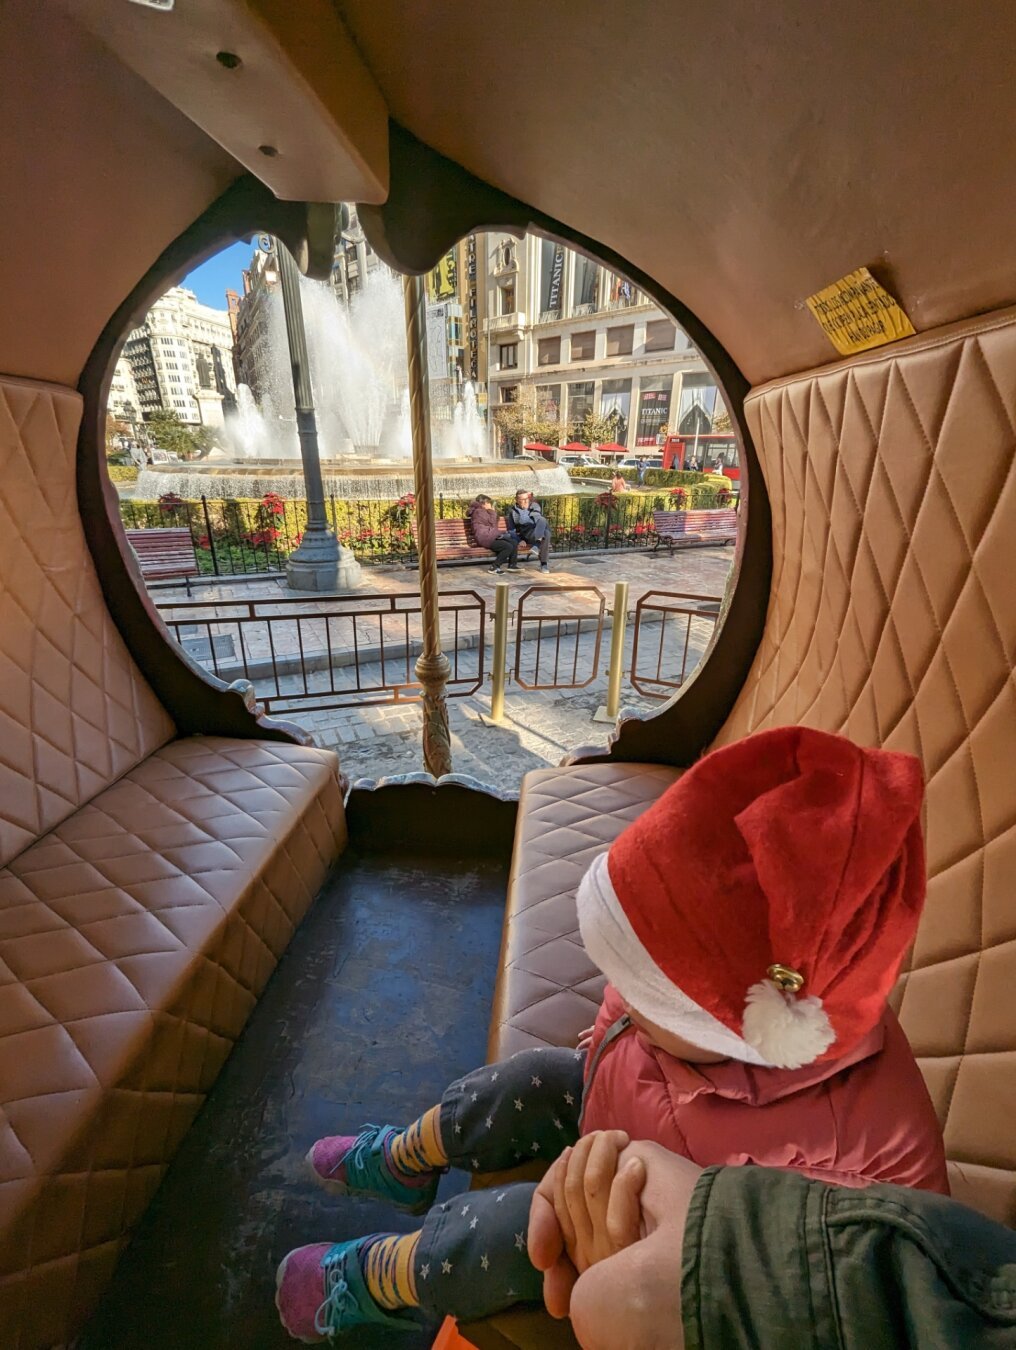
{"points": [[483, 521], [526, 521]]}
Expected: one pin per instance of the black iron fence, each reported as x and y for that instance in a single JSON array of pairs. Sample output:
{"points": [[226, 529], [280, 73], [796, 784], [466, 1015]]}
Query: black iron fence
{"points": [[338, 652], [310, 655], [238, 538]]}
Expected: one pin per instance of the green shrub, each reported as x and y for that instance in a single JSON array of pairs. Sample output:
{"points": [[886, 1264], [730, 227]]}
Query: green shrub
{"points": [[122, 473], [664, 478]]}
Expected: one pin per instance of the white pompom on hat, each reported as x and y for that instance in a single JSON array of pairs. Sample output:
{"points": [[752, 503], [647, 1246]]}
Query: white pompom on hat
{"points": [[762, 908]]}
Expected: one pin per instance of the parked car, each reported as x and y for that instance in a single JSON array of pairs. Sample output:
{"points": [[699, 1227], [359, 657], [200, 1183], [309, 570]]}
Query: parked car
{"points": [[650, 461], [572, 459]]}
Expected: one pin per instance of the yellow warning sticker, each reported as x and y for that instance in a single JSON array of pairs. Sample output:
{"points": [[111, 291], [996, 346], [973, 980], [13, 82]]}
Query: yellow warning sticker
{"points": [[856, 313]]}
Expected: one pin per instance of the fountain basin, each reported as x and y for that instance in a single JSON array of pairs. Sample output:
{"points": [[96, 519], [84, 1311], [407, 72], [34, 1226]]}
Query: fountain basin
{"points": [[352, 478]]}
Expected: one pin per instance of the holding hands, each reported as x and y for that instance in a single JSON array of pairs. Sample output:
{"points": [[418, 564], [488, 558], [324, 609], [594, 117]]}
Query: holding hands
{"points": [[606, 1227]]}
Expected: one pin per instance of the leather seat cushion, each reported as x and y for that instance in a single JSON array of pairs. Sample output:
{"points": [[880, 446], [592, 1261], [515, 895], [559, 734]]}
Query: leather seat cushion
{"points": [[548, 990], [135, 938]]}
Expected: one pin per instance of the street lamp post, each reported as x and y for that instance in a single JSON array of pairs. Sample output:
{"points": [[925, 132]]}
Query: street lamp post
{"points": [[319, 563]]}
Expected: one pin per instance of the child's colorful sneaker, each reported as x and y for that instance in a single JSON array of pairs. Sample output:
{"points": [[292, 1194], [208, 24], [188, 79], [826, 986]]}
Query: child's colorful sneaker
{"points": [[320, 1292], [361, 1165]]}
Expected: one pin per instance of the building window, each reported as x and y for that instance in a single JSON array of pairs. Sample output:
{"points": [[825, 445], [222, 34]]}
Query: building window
{"points": [[508, 355], [506, 298], [660, 334], [548, 400], [580, 400], [549, 351], [509, 393], [698, 404], [583, 346], [620, 340], [584, 288], [615, 406], [654, 411]]}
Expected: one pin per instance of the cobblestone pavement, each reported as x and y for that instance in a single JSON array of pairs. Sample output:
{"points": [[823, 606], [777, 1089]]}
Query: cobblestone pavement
{"points": [[539, 726]]}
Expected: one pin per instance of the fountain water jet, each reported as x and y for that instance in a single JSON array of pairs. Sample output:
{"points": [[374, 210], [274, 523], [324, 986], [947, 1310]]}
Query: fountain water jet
{"points": [[359, 376]]}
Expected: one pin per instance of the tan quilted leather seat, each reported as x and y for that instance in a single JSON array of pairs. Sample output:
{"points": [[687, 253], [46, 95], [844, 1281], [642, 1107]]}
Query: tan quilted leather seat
{"points": [[134, 941], [548, 989], [148, 886]]}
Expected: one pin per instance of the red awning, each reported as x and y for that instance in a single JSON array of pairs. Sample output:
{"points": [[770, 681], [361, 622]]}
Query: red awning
{"points": [[576, 445], [612, 448], [541, 448]]}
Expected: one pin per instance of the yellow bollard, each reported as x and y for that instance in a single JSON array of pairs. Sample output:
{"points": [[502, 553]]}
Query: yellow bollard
{"points": [[618, 624], [500, 651]]}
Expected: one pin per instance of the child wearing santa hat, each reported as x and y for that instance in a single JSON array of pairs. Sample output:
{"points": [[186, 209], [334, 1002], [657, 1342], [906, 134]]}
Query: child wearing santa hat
{"points": [[751, 925]]}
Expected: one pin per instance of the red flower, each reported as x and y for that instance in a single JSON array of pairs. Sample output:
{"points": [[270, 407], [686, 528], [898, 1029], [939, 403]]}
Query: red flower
{"points": [[169, 501], [679, 494], [204, 542], [298, 539], [407, 499], [640, 528], [274, 503]]}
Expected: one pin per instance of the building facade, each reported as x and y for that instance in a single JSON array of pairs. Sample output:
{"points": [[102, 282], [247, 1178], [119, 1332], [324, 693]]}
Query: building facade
{"points": [[181, 359], [251, 318], [578, 338]]}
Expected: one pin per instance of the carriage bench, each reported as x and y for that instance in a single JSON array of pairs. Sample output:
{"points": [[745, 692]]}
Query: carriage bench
{"points": [[455, 542], [165, 553], [681, 529]]}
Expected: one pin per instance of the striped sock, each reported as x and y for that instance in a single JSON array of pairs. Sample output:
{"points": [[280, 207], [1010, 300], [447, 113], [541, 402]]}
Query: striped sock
{"points": [[418, 1148], [387, 1265]]}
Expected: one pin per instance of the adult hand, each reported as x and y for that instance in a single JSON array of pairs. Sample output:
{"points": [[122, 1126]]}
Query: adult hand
{"points": [[607, 1229]]}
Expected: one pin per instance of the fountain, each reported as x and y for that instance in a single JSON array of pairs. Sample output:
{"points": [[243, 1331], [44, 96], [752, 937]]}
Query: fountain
{"points": [[357, 356]]}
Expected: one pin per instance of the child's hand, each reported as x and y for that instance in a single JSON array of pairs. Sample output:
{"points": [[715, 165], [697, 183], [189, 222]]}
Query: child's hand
{"points": [[585, 1039], [583, 1212]]}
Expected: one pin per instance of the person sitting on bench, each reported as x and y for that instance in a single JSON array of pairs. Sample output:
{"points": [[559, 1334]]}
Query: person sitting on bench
{"points": [[483, 521], [526, 521]]}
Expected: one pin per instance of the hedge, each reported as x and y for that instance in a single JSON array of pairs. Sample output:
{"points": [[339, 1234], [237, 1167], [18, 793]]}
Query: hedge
{"points": [[122, 473], [665, 478]]}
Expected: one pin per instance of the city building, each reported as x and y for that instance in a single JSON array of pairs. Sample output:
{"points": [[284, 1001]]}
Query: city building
{"points": [[456, 304], [579, 338], [181, 358], [252, 322], [354, 259], [124, 402]]}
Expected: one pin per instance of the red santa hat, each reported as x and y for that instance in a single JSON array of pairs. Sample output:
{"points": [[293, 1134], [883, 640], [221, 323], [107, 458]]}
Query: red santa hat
{"points": [[761, 909]]}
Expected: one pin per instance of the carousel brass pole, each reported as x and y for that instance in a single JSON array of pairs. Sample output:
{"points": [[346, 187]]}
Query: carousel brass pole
{"points": [[432, 666]]}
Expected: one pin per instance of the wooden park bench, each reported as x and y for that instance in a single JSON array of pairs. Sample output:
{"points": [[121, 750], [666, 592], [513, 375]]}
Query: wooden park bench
{"points": [[165, 553], [682, 529], [455, 542]]}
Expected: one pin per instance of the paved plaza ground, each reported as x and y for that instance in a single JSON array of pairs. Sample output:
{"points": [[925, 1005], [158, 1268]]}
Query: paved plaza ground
{"points": [[539, 726]]}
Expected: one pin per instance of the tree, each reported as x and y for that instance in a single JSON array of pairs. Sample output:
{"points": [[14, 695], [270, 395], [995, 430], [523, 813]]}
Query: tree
{"points": [[169, 433], [523, 420], [114, 430], [594, 429]]}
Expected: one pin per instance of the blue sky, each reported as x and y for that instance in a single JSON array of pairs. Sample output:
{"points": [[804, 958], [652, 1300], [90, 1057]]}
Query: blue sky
{"points": [[212, 279]]}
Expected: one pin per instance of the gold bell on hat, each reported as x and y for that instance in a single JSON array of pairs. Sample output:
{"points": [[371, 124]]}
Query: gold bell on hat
{"points": [[790, 981]]}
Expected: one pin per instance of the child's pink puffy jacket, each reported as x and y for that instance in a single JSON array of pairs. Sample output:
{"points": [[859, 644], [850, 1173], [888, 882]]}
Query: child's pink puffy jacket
{"points": [[866, 1117]]}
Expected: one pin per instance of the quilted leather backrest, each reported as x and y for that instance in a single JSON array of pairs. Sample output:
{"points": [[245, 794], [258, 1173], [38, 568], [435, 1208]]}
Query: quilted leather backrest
{"points": [[75, 712], [892, 619]]}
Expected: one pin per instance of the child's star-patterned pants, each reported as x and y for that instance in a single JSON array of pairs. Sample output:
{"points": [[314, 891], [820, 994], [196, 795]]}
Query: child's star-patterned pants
{"points": [[471, 1260]]}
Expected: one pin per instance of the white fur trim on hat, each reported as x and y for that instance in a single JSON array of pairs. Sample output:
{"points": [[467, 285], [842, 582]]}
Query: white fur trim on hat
{"points": [[787, 1031], [613, 945]]}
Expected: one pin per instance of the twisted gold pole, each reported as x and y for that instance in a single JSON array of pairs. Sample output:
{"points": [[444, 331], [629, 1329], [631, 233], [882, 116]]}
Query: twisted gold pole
{"points": [[432, 666]]}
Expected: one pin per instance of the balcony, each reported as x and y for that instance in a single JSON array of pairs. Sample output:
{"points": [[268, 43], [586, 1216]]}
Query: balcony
{"points": [[505, 323]]}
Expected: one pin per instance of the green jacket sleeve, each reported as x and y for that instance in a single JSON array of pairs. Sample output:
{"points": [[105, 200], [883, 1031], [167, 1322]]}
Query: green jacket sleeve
{"points": [[772, 1259]]}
